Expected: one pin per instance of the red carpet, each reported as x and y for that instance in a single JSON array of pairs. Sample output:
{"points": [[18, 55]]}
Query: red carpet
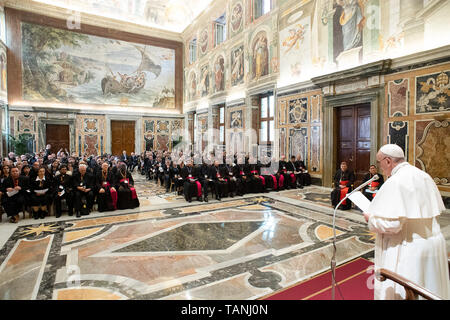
{"points": [[352, 278]]}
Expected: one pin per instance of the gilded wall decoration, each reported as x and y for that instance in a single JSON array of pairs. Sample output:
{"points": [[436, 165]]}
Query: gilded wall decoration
{"points": [[432, 142], [298, 110], [90, 134], [433, 93], [315, 109], [282, 109], [398, 133], [398, 98], [161, 133], [25, 124], [315, 148]]}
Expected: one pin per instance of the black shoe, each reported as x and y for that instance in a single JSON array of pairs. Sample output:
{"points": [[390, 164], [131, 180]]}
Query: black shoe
{"points": [[189, 200], [78, 214], [206, 199], [35, 215], [58, 215], [70, 212], [231, 195], [199, 199], [42, 214]]}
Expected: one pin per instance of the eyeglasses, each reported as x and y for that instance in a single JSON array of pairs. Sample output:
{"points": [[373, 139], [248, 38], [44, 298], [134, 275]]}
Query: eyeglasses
{"points": [[378, 162]]}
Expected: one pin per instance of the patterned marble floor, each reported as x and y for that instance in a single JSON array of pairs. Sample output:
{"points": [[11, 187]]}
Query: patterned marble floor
{"points": [[240, 248]]}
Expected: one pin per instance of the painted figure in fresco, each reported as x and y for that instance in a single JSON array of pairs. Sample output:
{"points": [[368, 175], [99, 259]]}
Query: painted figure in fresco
{"points": [[3, 71], [236, 17], [236, 121], [204, 82], [260, 58], [237, 71], [219, 74], [193, 88], [295, 38], [352, 22]]}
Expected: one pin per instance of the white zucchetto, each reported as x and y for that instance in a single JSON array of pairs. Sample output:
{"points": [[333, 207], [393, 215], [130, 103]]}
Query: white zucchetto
{"points": [[392, 150]]}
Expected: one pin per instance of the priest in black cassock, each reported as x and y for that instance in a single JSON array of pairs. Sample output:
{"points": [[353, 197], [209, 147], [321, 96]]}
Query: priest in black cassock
{"points": [[343, 183], [192, 187], [372, 188], [124, 185], [106, 193], [303, 177]]}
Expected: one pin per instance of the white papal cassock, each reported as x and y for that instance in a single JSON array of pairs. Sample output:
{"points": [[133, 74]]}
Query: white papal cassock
{"points": [[408, 237]]}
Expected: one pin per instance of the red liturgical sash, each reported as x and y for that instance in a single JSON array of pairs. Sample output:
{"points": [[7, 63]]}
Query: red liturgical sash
{"points": [[199, 187], [344, 191], [293, 178], [274, 182], [281, 181], [263, 180], [133, 190]]}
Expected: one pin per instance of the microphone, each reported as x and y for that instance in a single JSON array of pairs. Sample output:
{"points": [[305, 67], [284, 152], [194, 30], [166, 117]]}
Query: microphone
{"points": [[333, 259], [375, 177]]}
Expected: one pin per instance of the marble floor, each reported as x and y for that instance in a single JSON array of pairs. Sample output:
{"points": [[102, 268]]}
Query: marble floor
{"points": [[240, 248]]}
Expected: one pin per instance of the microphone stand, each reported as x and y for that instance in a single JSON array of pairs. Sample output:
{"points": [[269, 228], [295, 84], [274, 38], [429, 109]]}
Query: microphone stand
{"points": [[333, 258]]}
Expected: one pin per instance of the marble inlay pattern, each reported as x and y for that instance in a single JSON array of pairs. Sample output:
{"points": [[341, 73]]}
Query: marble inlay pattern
{"points": [[244, 248]]}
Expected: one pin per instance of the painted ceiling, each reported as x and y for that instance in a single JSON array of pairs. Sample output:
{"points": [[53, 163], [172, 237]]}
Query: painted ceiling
{"points": [[170, 15]]}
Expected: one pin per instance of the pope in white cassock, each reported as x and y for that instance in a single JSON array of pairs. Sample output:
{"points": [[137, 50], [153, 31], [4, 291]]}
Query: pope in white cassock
{"points": [[403, 215]]}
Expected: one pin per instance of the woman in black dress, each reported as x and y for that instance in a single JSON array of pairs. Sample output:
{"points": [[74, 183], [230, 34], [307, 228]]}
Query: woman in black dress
{"points": [[41, 194]]}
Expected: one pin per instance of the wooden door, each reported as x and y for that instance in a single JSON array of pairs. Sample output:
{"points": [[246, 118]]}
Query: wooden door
{"points": [[122, 137], [57, 135], [353, 139]]}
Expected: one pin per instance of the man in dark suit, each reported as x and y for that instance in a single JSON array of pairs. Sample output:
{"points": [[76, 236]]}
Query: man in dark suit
{"points": [[64, 190], [84, 190], [124, 157], [18, 187]]}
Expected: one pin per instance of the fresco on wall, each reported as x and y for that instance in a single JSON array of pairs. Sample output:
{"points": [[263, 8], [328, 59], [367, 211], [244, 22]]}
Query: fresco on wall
{"points": [[192, 87], [237, 66], [237, 18], [260, 56], [219, 74], [3, 74], [2, 25], [295, 42], [236, 119], [433, 93], [348, 24], [204, 80], [69, 67], [203, 41]]}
